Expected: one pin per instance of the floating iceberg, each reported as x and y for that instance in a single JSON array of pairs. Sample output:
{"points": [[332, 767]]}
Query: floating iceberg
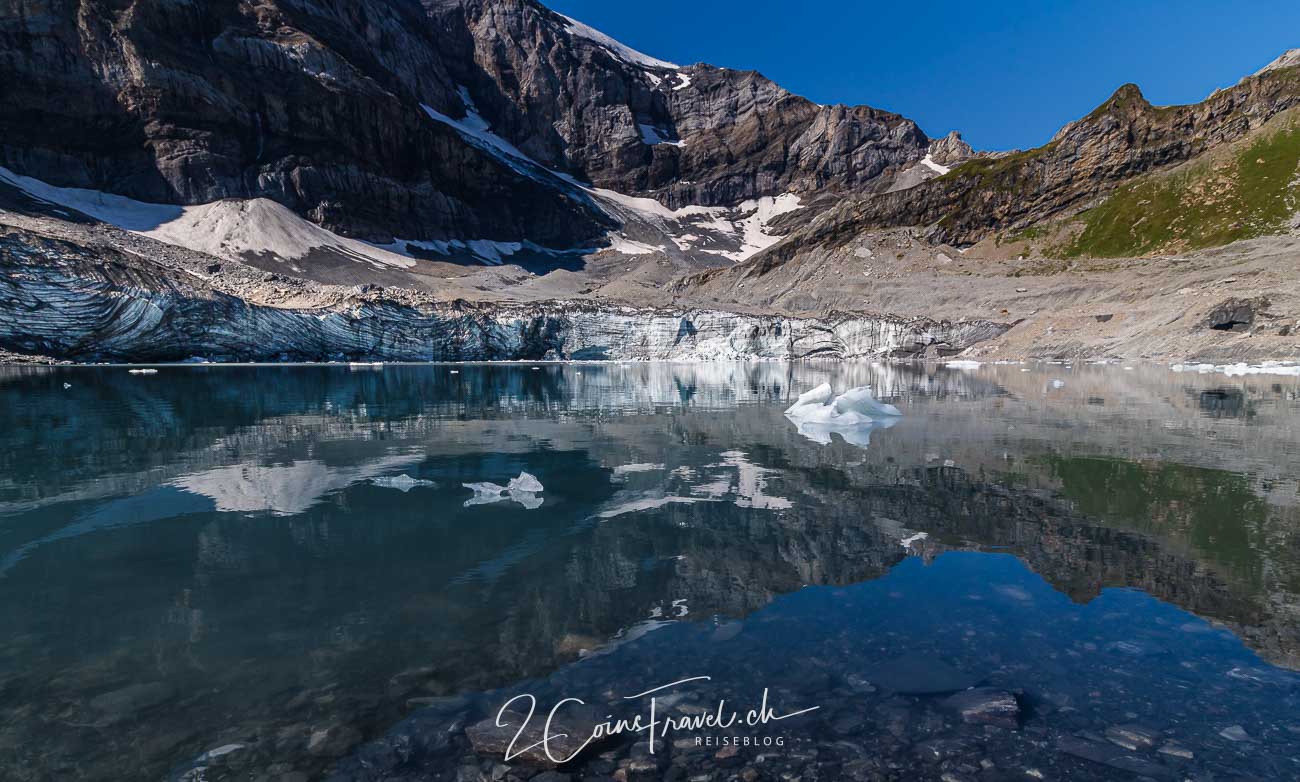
{"points": [[525, 482], [523, 490], [402, 483], [853, 415], [1284, 368], [142, 371]]}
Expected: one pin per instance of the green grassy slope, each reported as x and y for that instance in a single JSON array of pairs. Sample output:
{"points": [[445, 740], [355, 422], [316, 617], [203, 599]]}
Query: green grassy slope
{"points": [[1249, 190]]}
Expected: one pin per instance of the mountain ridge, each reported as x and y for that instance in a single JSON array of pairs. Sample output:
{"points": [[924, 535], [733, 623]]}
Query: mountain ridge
{"points": [[1124, 137], [497, 151]]}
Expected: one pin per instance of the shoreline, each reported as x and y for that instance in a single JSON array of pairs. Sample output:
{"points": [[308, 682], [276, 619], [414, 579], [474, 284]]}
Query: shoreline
{"points": [[1278, 368]]}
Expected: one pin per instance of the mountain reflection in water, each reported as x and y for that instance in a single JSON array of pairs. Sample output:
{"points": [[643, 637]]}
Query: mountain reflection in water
{"points": [[216, 558]]}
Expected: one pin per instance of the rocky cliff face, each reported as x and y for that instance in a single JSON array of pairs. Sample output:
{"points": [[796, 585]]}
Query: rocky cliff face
{"points": [[333, 109], [315, 105], [629, 122]]}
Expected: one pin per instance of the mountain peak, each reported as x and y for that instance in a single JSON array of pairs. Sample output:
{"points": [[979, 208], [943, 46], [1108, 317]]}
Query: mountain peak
{"points": [[1125, 100], [617, 48], [1289, 59]]}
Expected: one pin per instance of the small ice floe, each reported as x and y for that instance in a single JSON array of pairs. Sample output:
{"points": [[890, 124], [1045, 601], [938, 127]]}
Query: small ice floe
{"points": [[646, 503], [1057, 384], [402, 483], [1282, 368], [853, 415], [455, 372], [66, 386], [224, 749], [197, 769], [623, 470], [143, 371], [963, 364], [523, 490]]}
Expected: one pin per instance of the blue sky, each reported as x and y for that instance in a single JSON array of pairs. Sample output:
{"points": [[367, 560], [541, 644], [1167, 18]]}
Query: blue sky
{"points": [[1006, 74]]}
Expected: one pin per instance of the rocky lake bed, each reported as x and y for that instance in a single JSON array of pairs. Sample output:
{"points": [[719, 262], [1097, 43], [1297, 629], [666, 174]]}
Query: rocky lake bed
{"points": [[1056, 572]]}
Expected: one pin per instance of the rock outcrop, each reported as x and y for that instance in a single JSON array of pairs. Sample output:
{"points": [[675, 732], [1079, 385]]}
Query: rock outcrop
{"points": [[951, 150]]}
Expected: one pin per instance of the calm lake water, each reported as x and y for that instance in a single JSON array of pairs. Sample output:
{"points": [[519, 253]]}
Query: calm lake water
{"points": [[277, 573]]}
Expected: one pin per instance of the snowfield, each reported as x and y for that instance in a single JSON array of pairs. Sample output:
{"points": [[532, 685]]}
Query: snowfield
{"points": [[620, 50]]}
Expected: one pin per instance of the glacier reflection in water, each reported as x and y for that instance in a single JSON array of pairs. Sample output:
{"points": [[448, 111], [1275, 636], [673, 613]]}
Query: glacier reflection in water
{"points": [[238, 572]]}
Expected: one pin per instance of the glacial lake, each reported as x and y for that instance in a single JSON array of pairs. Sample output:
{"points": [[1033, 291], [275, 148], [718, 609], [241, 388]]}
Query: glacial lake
{"points": [[278, 573]]}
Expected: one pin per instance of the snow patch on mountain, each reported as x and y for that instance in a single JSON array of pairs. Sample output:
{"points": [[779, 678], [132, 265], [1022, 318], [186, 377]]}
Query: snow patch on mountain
{"points": [[684, 83], [119, 210], [235, 229], [928, 162], [616, 48], [652, 135], [733, 233], [627, 246], [754, 227], [232, 229], [650, 208], [478, 132]]}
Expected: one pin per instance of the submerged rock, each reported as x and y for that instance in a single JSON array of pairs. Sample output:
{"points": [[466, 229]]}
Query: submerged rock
{"points": [[1176, 750], [493, 737], [1132, 737], [132, 699], [1111, 756], [986, 704], [333, 741]]}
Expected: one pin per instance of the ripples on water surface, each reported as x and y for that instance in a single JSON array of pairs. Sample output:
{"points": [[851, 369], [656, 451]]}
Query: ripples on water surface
{"points": [[276, 573]]}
